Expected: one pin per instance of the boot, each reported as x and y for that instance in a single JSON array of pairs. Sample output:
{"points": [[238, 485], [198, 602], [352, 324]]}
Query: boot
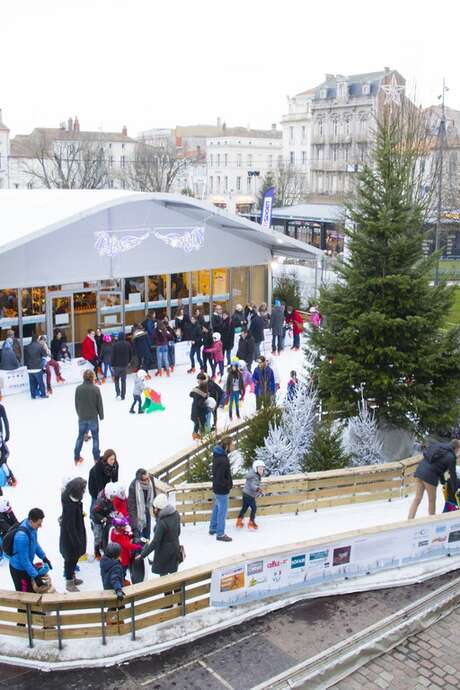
{"points": [[252, 525], [168, 372], [191, 371], [239, 522], [77, 581], [78, 461], [60, 379], [195, 436], [141, 412], [97, 553], [71, 586], [224, 537], [159, 373], [172, 368]]}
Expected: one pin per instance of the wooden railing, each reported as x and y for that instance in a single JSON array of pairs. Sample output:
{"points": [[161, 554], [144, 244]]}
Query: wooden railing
{"points": [[174, 469], [310, 491]]}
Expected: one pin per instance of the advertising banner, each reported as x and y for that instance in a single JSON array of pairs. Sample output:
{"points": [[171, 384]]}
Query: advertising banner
{"points": [[267, 206], [16, 381], [334, 561]]}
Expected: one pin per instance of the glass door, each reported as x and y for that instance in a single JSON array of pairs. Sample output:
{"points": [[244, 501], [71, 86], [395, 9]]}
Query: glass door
{"points": [[61, 318], [110, 317]]}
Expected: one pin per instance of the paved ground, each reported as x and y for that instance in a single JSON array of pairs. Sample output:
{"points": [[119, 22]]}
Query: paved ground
{"points": [[430, 659], [243, 656]]}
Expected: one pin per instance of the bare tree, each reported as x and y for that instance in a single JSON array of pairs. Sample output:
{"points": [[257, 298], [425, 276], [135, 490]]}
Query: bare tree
{"points": [[155, 168], [290, 185], [74, 164]]}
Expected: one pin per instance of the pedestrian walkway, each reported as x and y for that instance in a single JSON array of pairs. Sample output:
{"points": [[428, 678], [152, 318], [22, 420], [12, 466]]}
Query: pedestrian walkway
{"points": [[430, 659]]}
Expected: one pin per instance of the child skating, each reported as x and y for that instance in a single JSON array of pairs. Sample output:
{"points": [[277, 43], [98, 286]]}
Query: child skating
{"points": [[251, 490], [139, 386]]}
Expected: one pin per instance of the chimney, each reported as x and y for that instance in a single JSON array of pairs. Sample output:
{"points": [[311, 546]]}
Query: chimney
{"points": [[76, 124], [124, 131], [274, 125], [69, 124]]}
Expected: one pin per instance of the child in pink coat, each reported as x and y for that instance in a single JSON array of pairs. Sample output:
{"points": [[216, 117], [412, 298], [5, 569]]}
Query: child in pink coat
{"points": [[217, 352]]}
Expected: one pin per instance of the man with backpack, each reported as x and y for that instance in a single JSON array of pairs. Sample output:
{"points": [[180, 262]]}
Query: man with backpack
{"points": [[21, 545]]}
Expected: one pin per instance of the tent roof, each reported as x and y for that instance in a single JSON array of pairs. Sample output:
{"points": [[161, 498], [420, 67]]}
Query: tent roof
{"points": [[328, 213], [26, 215]]}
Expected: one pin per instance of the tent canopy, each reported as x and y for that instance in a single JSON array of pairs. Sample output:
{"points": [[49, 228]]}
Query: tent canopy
{"points": [[62, 236]]}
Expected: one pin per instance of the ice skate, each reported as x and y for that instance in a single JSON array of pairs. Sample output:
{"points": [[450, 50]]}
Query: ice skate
{"points": [[141, 412], [168, 372], [97, 554], [77, 581], [239, 522], [195, 436], [159, 373], [252, 525], [78, 461], [60, 379], [191, 371]]}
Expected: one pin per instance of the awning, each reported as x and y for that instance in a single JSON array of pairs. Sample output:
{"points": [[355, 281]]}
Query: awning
{"points": [[217, 199], [245, 200]]}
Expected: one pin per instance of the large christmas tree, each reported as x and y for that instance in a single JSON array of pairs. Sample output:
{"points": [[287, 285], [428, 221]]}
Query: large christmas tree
{"points": [[384, 329]]}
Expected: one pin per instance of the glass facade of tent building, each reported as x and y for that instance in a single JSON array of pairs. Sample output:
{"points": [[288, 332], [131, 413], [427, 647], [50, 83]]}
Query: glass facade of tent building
{"points": [[117, 304]]}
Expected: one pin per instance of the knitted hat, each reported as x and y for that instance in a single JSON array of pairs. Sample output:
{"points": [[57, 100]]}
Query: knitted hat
{"points": [[141, 374], [160, 502]]}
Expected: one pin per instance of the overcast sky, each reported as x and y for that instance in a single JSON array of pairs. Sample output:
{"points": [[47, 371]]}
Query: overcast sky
{"points": [[158, 63]]}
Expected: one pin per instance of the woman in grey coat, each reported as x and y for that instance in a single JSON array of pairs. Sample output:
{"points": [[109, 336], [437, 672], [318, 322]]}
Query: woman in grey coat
{"points": [[141, 494], [165, 542]]}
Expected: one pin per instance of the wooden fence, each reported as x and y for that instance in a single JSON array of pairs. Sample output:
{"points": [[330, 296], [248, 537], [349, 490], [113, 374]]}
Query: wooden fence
{"points": [[309, 491], [62, 617]]}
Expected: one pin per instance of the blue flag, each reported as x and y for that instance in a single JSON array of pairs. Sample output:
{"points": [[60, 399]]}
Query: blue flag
{"points": [[267, 206]]}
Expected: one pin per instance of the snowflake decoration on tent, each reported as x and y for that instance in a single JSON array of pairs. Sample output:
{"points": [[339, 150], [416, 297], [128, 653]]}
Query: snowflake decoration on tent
{"points": [[188, 241], [392, 91], [107, 244]]}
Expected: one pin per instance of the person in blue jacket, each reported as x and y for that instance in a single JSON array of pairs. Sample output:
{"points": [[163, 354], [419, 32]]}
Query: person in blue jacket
{"points": [[25, 548], [264, 383], [112, 575]]}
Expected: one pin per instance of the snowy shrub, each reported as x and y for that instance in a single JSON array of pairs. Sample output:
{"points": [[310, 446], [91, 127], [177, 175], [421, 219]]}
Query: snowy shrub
{"points": [[256, 432], [364, 445], [276, 452]]}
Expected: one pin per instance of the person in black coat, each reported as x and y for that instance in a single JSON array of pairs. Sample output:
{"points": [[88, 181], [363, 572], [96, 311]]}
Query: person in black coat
{"points": [[56, 344], [102, 472], [72, 540], [182, 324], [256, 329], [199, 411], [196, 336], [222, 484], [142, 348], [246, 348], [112, 575], [165, 542], [227, 336], [208, 343], [438, 458], [122, 353]]}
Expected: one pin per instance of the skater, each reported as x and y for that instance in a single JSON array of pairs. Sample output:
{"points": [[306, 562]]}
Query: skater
{"points": [[292, 386], [196, 337], [112, 571], [294, 321], [7, 520], [438, 458], [34, 360], [315, 318], [89, 351], [199, 410], [221, 485], [101, 514], [172, 338], [264, 383], [207, 347], [227, 336], [235, 389], [122, 535], [217, 355], [165, 542], [138, 389], [199, 317], [141, 345], [56, 345], [106, 357], [246, 348], [256, 329], [23, 549], [263, 311], [141, 495], [216, 319], [89, 407], [120, 502], [215, 392], [182, 324], [102, 472], [17, 348], [161, 341], [149, 324], [9, 360], [238, 318], [50, 364], [72, 540], [121, 358], [251, 491], [277, 326]]}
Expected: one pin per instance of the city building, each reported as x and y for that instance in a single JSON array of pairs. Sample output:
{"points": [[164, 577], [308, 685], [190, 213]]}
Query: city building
{"points": [[66, 156], [237, 161], [329, 129], [4, 154], [76, 259]]}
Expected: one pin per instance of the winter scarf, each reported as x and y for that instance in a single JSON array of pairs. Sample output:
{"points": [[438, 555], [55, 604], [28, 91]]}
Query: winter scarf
{"points": [[141, 503]]}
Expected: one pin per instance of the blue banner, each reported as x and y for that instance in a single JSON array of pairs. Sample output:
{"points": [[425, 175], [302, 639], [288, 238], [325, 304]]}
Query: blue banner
{"points": [[267, 206]]}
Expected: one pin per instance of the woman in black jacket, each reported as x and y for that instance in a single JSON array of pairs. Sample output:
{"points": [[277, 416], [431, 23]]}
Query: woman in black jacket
{"points": [[227, 336], [199, 409], [72, 540], [165, 540], [102, 472], [438, 458]]}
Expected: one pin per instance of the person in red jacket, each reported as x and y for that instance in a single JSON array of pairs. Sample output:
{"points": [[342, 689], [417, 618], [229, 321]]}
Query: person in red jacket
{"points": [[121, 534], [294, 320], [89, 350], [120, 502]]}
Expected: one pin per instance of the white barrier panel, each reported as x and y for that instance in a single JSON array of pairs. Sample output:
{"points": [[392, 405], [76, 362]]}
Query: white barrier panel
{"points": [[15, 381], [332, 561], [72, 372]]}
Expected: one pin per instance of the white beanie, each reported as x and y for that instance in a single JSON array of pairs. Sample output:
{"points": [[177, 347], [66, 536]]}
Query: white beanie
{"points": [[160, 502], [110, 490], [258, 463], [141, 374]]}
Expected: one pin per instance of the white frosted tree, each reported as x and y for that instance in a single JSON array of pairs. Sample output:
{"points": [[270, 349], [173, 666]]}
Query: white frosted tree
{"points": [[276, 452], [364, 445], [299, 420]]}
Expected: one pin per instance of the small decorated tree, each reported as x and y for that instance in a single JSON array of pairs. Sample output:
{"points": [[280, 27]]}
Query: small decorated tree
{"points": [[363, 443], [277, 453], [299, 420]]}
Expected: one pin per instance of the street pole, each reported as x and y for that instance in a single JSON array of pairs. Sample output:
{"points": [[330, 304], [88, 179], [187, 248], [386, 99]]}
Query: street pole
{"points": [[441, 140]]}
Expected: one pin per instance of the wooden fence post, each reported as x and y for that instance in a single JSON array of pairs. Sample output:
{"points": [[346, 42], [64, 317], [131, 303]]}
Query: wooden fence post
{"points": [[29, 625]]}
